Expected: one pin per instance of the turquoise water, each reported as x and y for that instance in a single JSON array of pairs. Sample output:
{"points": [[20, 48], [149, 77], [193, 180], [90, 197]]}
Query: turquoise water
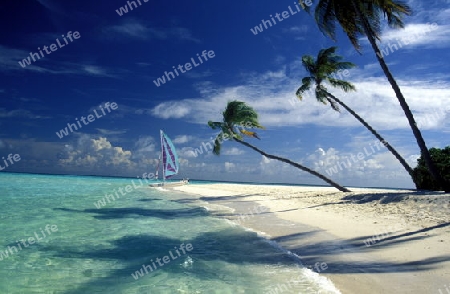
{"points": [[79, 248]]}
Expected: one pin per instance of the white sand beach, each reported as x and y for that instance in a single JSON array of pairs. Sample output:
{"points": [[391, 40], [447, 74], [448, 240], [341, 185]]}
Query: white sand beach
{"points": [[409, 246]]}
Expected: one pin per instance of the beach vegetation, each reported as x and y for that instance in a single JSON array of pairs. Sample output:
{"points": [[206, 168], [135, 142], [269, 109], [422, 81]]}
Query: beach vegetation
{"points": [[423, 178]]}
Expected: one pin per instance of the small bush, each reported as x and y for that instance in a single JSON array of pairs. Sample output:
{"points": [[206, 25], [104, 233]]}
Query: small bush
{"points": [[423, 178]]}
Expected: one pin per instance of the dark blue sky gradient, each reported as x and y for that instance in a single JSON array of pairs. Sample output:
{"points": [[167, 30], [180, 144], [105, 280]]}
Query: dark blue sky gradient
{"points": [[117, 59]]}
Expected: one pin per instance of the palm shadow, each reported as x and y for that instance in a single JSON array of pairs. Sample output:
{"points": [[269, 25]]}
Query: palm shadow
{"points": [[384, 198], [310, 253], [149, 199], [227, 198], [132, 252], [135, 212]]}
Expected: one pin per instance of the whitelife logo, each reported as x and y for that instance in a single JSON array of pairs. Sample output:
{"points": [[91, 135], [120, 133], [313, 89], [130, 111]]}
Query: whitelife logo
{"points": [[140, 273], [109, 198], [31, 240], [187, 67], [285, 14], [73, 127], [10, 158], [406, 40], [35, 56], [122, 10]]}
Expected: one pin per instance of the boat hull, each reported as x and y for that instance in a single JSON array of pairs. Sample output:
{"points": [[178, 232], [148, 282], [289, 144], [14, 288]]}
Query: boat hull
{"points": [[169, 184]]}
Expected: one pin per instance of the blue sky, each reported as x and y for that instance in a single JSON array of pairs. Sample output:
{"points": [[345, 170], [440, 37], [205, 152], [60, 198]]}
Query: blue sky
{"points": [[116, 59]]}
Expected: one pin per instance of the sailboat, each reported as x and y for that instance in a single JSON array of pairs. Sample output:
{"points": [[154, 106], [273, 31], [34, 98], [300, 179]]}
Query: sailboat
{"points": [[170, 163]]}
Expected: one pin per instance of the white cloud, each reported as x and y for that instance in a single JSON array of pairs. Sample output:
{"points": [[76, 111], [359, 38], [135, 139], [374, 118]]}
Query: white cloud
{"points": [[229, 166], [272, 94], [430, 35], [96, 71], [183, 161], [187, 152], [181, 139], [19, 113], [299, 32], [364, 162], [10, 57], [96, 153], [131, 29], [233, 151], [199, 74], [138, 30], [145, 143], [173, 109], [297, 29], [265, 160], [111, 132]]}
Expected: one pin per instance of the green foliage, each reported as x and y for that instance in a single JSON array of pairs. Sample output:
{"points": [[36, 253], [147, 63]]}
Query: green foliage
{"points": [[423, 178], [328, 13], [237, 115], [322, 69]]}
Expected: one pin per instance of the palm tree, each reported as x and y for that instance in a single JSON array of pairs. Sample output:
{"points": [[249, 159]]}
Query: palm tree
{"points": [[239, 115], [362, 18], [323, 69]]}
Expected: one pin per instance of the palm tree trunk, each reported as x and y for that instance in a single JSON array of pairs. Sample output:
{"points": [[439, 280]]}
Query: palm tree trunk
{"points": [[378, 136], [337, 186], [420, 141]]}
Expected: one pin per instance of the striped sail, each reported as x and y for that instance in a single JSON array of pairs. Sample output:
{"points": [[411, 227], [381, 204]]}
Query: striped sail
{"points": [[169, 157]]}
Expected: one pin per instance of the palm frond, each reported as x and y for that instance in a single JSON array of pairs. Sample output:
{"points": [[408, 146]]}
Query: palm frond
{"points": [[334, 105], [344, 85], [238, 115], [325, 56], [344, 65], [321, 94], [328, 13], [306, 85], [238, 112], [309, 63], [217, 145], [215, 125], [326, 18]]}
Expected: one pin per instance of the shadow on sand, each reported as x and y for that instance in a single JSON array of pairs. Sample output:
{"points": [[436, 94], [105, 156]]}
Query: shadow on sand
{"points": [[312, 253]]}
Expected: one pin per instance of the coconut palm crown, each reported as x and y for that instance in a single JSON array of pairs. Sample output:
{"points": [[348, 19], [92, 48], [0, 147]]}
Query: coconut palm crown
{"points": [[237, 115], [322, 69], [359, 18]]}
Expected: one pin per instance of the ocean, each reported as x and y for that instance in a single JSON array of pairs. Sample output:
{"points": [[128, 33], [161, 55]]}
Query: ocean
{"points": [[83, 234]]}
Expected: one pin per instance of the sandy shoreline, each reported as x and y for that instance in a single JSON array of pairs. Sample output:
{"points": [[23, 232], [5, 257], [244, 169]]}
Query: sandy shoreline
{"points": [[366, 241]]}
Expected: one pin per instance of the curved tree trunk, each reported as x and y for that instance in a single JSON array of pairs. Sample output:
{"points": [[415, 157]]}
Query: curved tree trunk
{"points": [[378, 136], [337, 186], [420, 141]]}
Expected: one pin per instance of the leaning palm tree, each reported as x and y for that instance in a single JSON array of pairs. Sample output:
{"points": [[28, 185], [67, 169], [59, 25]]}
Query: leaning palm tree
{"points": [[362, 18], [239, 115], [323, 69]]}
